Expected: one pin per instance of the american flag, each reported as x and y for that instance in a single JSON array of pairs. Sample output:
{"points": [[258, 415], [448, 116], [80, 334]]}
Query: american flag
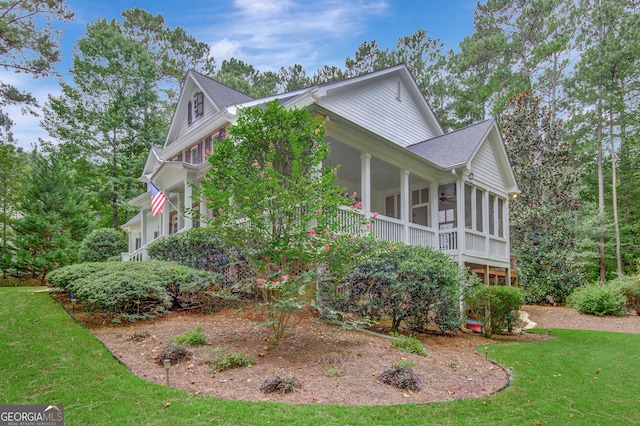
{"points": [[157, 200]]}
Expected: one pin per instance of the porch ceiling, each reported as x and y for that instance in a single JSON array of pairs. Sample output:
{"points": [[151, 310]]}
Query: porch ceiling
{"points": [[385, 177]]}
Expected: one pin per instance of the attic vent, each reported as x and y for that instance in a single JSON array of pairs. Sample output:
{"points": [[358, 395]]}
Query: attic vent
{"points": [[399, 91]]}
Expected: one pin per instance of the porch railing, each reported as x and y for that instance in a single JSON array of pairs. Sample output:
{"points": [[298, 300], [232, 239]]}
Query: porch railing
{"points": [[448, 240], [421, 236], [389, 229]]}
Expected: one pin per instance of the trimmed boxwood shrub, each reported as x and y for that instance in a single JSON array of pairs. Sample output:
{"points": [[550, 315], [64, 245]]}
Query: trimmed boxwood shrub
{"points": [[415, 285], [495, 305], [598, 300], [131, 290], [102, 245], [202, 248], [198, 248]]}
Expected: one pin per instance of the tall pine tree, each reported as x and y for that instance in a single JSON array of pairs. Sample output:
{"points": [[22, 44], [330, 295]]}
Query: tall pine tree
{"points": [[55, 217]]}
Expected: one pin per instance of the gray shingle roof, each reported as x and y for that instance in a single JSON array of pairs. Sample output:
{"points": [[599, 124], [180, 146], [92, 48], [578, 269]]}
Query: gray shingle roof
{"points": [[224, 95], [453, 148]]}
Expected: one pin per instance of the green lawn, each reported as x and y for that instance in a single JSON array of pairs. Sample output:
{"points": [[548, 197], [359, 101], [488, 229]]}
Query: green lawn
{"points": [[582, 378]]}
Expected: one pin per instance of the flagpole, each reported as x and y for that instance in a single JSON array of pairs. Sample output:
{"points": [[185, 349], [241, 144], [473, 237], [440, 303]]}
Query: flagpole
{"points": [[168, 200]]}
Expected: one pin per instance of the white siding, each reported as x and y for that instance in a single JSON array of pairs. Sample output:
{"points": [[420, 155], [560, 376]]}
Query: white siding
{"points": [[186, 129], [486, 170], [376, 108]]}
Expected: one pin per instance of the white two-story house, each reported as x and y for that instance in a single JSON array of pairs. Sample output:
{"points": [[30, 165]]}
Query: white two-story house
{"points": [[450, 190]]}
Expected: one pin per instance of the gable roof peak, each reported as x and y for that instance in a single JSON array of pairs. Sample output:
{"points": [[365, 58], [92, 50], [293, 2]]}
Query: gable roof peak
{"points": [[217, 92]]}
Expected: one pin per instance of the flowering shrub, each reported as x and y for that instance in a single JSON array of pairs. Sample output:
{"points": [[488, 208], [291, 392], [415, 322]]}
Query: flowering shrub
{"points": [[272, 198]]}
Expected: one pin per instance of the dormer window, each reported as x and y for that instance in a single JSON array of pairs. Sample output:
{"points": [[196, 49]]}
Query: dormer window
{"points": [[195, 108]]}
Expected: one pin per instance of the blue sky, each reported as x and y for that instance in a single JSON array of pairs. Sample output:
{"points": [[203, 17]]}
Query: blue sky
{"points": [[267, 34]]}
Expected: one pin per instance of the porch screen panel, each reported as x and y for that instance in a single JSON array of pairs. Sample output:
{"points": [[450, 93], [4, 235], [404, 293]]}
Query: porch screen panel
{"points": [[467, 206], [479, 209], [390, 206], [420, 206]]}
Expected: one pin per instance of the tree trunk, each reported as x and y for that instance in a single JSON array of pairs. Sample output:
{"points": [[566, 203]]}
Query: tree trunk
{"points": [[614, 189]]}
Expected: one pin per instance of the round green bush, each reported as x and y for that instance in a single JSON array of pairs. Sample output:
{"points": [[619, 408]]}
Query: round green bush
{"points": [[630, 289], [495, 306], [416, 285], [102, 245], [598, 300]]}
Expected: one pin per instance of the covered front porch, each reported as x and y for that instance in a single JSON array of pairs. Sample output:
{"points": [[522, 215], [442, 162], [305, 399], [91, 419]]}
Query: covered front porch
{"points": [[176, 180], [421, 205]]}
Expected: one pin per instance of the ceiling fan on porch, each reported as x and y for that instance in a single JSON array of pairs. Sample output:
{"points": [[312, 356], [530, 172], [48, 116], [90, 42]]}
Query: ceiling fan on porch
{"points": [[448, 194]]}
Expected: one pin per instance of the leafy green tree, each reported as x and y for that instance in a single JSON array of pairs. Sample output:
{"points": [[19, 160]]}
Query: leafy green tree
{"points": [[13, 171], [327, 74], [173, 50], [28, 44], [109, 117], [604, 89], [515, 43], [55, 217], [274, 200], [542, 216], [293, 78], [422, 55], [126, 80], [427, 64], [367, 59], [246, 79]]}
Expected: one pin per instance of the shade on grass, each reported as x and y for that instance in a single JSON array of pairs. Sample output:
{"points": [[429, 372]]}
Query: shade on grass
{"points": [[580, 377]]}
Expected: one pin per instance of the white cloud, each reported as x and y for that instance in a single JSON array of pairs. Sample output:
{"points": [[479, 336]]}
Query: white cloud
{"points": [[270, 34]]}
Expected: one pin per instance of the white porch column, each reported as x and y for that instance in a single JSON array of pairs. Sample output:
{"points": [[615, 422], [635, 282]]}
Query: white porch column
{"points": [[505, 224], [365, 181], [404, 204], [204, 213], [433, 213], [460, 217], [188, 204], [179, 210], [485, 220], [143, 228], [164, 227]]}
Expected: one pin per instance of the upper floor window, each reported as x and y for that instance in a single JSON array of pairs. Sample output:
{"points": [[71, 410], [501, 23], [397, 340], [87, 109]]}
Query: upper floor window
{"points": [[195, 108], [196, 155]]}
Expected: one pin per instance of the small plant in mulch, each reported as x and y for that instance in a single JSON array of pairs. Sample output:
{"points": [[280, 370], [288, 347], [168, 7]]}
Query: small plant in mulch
{"points": [[174, 353], [224, 360], [139, 335], [194, 337], [401, 376], [407, 344], [333, 372], [280, 382]]}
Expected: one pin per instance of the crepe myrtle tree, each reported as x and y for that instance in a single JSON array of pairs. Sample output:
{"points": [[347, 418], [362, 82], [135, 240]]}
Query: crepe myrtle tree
{"points": [[271, 196]]}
